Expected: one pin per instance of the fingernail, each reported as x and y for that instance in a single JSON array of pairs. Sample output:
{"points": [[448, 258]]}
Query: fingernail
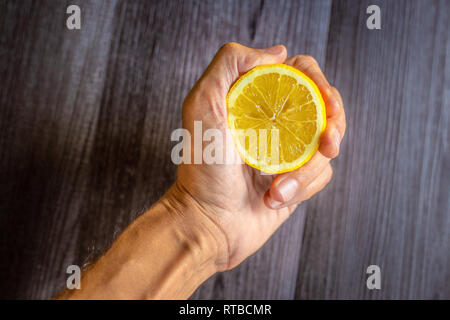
{"points": [[273, 50], [287, 188]]}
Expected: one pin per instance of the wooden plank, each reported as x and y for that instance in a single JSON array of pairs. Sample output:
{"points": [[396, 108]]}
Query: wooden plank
{"points": [[85, 123], [86, 116], [51, 85], [389, 201]]}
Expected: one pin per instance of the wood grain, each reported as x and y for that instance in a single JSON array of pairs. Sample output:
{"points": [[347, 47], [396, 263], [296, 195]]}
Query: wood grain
{"points": [[86, 117], [51, 86], [388, 203]]}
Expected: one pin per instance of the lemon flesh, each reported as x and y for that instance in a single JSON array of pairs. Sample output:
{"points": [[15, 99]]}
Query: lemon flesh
{"points": [[276, 115]]}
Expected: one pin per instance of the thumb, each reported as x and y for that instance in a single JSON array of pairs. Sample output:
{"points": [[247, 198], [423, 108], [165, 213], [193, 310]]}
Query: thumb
{"points": [[234, 59]]}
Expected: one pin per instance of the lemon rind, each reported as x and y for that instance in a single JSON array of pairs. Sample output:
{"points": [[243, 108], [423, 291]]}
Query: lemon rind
{"points": [[303, 79]]}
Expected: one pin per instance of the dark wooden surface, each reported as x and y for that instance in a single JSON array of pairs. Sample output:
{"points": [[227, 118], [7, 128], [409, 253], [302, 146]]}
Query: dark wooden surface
{"points": [[389, 202], [86, 117]]}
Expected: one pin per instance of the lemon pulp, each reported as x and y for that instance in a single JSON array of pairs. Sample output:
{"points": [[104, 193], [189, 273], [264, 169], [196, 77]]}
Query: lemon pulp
{"points": [[276, 115]]}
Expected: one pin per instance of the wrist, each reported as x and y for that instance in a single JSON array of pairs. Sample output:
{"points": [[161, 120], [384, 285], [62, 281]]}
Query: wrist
{"points": [[192, 241], [195, 220], [164, 254], [188, 251]]}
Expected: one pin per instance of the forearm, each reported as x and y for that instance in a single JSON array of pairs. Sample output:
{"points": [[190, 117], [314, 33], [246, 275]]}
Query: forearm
{"points": [[165, 254]]}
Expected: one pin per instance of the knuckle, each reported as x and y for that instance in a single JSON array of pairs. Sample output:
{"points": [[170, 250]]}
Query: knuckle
{"points": [[251, 60], [308, 61], [229, 47], [301, 183]]}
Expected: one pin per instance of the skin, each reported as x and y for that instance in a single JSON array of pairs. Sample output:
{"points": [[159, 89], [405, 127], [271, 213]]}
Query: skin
{"points": [[214, 216]]}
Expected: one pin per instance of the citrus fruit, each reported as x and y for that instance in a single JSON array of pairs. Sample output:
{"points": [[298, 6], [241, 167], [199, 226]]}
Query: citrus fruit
{"points": [[276, 115]]}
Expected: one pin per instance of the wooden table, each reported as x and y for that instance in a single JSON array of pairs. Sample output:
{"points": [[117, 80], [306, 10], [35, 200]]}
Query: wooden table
{"points": [[86, 117]]}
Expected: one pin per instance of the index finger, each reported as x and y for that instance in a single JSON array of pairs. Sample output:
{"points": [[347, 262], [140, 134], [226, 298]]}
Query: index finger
{"points": [[309, 66]]}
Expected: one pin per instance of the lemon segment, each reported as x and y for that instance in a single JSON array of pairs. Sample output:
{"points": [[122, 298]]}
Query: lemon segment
{"points": [[276, 115]]}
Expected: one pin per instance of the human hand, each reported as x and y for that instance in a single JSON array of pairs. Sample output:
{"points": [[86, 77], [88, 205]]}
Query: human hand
{"points": [[243, 206], [215, 215]]}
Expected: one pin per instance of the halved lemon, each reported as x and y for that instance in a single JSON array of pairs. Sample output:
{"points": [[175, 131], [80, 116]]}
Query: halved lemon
{"points": [[276, 115]]}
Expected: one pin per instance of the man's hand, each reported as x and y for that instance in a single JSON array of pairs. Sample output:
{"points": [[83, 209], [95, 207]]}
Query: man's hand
{"points": [[245, 206], [214, 216]]}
